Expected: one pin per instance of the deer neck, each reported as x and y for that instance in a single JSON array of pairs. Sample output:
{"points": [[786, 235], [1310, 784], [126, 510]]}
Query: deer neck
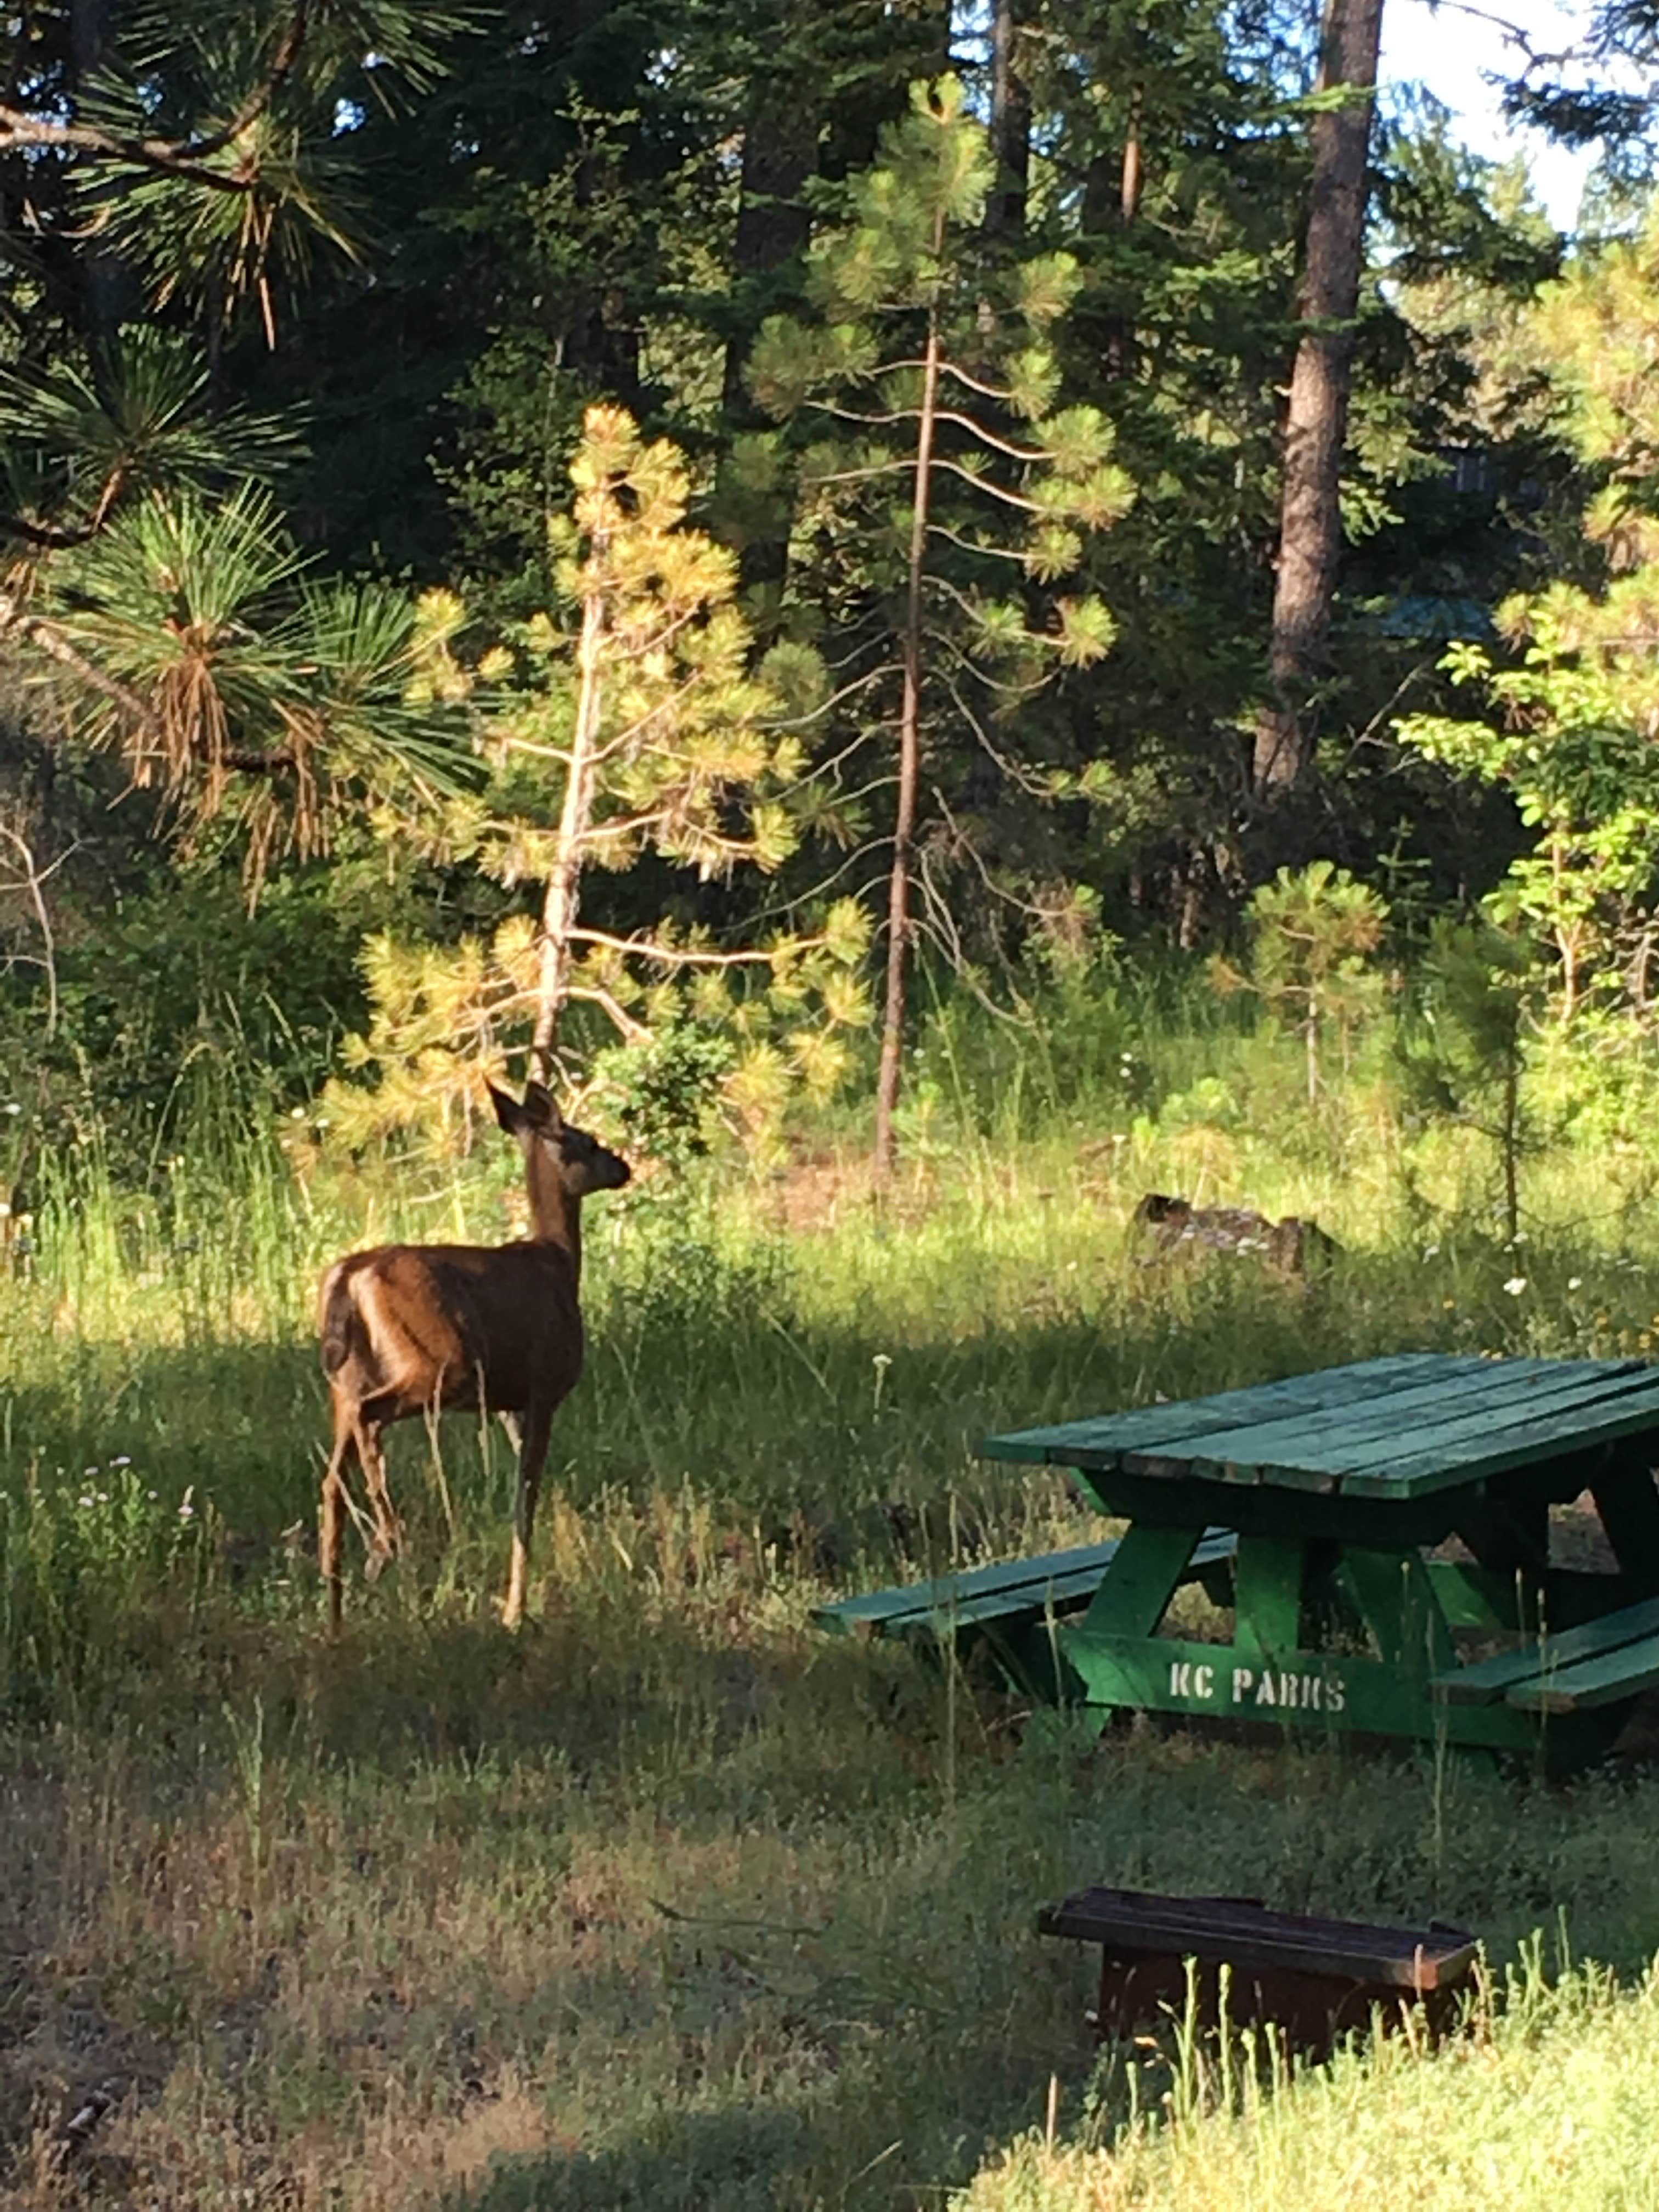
{"points": [[556, 1218]]}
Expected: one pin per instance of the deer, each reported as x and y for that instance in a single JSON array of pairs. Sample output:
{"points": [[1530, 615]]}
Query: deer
{"points": [[410, 1329]]}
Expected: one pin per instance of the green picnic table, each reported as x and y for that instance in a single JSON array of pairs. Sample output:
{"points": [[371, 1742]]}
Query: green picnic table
{"points": [[1337, 1485]]}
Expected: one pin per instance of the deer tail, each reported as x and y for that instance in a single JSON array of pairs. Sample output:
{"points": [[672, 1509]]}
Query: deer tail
{"points": [[339, 1320]]}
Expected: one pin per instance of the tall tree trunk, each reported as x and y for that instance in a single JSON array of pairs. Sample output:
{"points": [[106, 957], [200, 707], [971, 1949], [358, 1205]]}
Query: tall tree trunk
{"points": [[1112, 187], [1310, 526], [560, 902], [1010, 129], [904, 820], [780, 153]]}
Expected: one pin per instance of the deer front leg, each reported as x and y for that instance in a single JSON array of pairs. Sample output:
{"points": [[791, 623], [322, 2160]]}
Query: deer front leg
{"points": [[532, 1455]]}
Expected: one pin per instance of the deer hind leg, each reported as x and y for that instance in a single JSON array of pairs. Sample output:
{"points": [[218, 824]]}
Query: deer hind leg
{"points": [[532, 1454], [388, 1529], [333, 1500]]}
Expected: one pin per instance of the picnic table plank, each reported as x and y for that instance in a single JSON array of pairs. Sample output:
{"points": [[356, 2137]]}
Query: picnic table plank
{"points": [[1594, 1393], [1609, 1679], [1329, 1442], [1108, 1437], [1430, 1428], [1501, 1452], [1486, 1680]]}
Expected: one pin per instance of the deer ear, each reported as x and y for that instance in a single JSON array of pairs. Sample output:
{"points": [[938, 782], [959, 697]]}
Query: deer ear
{"points": [[508, 1112], [538, 1104]]}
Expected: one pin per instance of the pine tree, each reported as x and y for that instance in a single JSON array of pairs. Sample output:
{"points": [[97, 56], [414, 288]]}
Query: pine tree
{"points": [[636, 728], [938, 468], [1572, 706], [166, 175]]}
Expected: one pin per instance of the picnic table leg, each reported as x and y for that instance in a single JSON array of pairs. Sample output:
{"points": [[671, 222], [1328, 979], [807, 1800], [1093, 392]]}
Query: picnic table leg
{"points": [[1400, 1607], [1144, 1574], [1510, 1535], [1628, 1504], [1267, 1582]]}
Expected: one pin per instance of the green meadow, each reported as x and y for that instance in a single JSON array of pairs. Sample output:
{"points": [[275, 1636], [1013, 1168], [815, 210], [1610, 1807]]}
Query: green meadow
{"points": [[671, 1901]]}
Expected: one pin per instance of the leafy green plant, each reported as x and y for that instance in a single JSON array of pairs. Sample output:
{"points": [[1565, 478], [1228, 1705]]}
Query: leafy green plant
{"points": [[1313, 931], [1569, 716], [1465, 1055]]}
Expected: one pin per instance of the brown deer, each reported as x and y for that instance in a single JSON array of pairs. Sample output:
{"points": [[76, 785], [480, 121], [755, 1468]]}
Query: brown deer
{"points": [[410, 1329]]}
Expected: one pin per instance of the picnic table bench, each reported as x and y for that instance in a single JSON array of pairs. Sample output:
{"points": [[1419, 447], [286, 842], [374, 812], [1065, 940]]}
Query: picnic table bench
{"points": [[1318, 1979], [1007, 1606]]}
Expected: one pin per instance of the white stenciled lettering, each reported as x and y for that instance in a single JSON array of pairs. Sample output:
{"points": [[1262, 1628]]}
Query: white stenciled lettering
{"points": [[1181, 1678], [1204, 1681], [1336, 1695], [1312, 1687], [1264, 1690], [1243, 1681]]}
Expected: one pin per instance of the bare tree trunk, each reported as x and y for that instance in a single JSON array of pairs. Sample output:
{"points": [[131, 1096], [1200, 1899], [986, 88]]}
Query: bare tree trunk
{"points": [[904, 823], [562, 900], [1128, 193], [1010, 129], [1310, 525]]}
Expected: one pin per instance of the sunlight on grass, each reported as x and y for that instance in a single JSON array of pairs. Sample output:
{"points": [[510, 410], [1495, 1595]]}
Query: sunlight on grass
{"points": [[1547, 2107]]}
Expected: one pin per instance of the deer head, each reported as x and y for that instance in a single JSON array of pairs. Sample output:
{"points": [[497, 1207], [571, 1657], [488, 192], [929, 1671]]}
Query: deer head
{"points": [[579, 1163]]}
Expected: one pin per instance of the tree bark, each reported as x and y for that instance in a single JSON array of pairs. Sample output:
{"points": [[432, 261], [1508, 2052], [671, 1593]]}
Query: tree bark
{"points": [[1010, 129], [1310, 523], [904, 821]]}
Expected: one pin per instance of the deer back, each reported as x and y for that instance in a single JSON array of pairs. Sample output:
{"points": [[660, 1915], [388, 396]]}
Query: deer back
{"points": [[407, 1326]]}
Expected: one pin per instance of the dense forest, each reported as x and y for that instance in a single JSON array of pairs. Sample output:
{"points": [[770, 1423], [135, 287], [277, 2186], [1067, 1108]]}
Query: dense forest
{"points": [[626, 536]]}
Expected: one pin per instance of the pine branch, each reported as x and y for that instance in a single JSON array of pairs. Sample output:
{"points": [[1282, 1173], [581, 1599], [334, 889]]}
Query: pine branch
{"points": [[631, 1027], [990, 484], [188, 158], [38, 631], [675, 956], [57, 537], [968, 545], [993, 392], [1033, 786]]}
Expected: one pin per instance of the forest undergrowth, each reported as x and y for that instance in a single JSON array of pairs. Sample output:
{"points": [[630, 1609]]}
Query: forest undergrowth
{"points": [[671, 1901]]}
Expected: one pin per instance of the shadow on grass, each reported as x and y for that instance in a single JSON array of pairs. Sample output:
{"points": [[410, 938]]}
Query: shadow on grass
{"points": [[685, 2162]]}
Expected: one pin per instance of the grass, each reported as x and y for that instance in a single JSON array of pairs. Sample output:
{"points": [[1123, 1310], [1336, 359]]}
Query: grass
{"points": [[670, 1902], [1546, 2106]]}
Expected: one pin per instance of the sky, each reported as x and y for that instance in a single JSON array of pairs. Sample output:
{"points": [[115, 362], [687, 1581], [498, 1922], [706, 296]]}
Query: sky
{"points": [[1452, 49]]}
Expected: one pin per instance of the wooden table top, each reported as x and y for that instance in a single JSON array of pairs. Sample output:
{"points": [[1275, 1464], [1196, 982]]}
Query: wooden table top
{"points": [[1395, 1428]]}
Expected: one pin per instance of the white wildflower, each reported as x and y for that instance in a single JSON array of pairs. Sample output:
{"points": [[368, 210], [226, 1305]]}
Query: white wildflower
{"points": [[1515, 1284]]}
